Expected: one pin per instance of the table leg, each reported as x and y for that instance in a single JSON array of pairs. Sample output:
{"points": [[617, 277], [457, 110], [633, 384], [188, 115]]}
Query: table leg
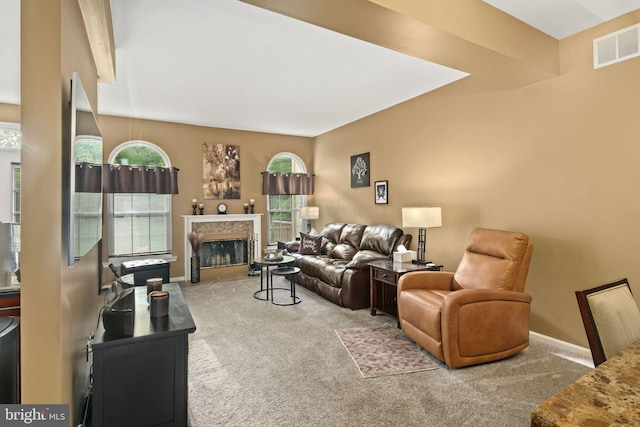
{"points": [[269, 278], [264, 278], [373, 288], [293, 288]]}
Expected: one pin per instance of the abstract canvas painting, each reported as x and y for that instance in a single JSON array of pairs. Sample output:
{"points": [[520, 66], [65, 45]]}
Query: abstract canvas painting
{"points": [[220, 171]]}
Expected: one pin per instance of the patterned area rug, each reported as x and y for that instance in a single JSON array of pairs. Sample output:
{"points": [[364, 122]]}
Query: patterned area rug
{"points": [[383, 351]]}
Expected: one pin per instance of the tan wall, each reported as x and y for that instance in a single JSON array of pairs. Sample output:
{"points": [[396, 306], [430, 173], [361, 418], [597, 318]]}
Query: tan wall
{"points": [[556, 160], [59, 303], [183, 145], [9, 113]]}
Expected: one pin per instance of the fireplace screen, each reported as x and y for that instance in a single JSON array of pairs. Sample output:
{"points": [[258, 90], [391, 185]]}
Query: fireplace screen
{"points": [[224, 253]]}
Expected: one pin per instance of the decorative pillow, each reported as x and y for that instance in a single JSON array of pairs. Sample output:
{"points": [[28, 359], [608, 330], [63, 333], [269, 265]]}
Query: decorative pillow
{"points": [[310, 244]]}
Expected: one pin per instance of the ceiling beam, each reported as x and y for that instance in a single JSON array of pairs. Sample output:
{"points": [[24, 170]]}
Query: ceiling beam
{"points": [[467, 35], [98, 23]]}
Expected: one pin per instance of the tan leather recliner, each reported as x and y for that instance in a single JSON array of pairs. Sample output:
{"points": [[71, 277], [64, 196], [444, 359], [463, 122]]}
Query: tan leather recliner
{"points": [[478, 314]]}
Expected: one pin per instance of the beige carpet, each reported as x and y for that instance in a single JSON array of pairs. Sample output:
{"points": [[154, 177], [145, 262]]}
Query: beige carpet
{"points": [[383, 350], [252, 363]]}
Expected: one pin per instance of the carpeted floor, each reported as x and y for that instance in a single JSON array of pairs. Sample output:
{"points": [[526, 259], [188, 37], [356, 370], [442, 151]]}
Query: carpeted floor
{"points": [[252, 363]]}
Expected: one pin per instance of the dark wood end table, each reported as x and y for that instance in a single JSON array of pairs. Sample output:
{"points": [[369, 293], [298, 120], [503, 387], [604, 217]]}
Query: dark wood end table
{"points": [[384, 283]]}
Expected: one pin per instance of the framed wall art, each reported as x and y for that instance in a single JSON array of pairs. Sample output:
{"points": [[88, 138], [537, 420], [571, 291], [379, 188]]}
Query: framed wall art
{"points": [[220, 171], [381, 192], [360, 170]]}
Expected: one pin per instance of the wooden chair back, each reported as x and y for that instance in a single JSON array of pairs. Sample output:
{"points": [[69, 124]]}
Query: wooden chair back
{"points": [[611, 318]]}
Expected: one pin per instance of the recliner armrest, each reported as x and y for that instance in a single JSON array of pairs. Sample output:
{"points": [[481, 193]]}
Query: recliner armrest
{"points": [[470, 296], [440, 280], [483, 325]]}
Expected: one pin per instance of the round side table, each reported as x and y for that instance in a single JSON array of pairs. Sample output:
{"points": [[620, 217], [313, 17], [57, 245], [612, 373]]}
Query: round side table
{"points": [[266, 264], [291, 272]]}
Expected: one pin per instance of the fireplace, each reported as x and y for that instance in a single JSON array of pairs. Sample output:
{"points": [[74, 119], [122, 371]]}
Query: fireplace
{"points": [[230, 243], [220, 250]]}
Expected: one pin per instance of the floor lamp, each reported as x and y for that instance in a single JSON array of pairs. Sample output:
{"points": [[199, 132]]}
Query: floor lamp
{"points": [[308, 213], [421, 218]]}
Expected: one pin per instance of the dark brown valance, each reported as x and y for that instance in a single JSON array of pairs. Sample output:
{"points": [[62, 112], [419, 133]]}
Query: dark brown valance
{"points": [[140, 179], [88, 177], [291, 183], [126, 179]]}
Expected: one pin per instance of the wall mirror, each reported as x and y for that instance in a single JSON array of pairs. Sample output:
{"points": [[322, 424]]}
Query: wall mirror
{"points": [[85, 153]]}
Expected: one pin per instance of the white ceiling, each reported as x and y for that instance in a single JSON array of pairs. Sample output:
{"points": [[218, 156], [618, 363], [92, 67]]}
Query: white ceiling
{"points": [[562, 18], [224, 63]]}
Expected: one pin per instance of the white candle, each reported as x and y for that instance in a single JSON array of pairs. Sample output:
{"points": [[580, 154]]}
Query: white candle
{"points": [[252, 201], [202, 205], [194, 201]]}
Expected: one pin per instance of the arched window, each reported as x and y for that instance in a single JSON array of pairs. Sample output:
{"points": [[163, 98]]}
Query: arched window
{"points": [[139, 224], [283, 220]]}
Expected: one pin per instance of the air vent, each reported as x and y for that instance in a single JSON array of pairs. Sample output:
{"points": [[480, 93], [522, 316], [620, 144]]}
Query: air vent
{"points": [[616, 47]]}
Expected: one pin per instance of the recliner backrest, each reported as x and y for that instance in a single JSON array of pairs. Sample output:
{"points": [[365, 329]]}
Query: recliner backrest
{"points": [[494, 259]]}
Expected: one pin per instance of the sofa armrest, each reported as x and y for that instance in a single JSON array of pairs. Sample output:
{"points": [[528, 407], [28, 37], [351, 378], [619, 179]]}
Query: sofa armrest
{"points": [[362, 259], [440, 280], [290, 246]]}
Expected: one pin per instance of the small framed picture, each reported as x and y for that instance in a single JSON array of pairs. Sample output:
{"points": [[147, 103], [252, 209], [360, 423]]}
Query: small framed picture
{"points": [[382, 192], [360, 170]]}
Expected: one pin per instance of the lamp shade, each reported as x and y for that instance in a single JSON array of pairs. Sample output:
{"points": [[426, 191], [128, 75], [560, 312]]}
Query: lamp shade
{"points": [[422, 217], [309, 212]]}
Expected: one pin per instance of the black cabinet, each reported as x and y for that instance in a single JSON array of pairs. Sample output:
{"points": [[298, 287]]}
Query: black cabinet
{"points": [[9, 360], [142, 380]]}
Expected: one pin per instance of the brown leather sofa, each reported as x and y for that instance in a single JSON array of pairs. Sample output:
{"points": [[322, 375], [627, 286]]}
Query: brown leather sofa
{"points": [[339, 271], [478, 314]]}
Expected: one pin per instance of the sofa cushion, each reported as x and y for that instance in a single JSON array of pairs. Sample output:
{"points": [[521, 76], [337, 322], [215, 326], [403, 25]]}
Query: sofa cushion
{"points": [[332, 274], [343, 251], [312, 265], [380, 238], [332, 231], [330, 237], [310, 244], [352, 234], [349, 242], [327, 246]]}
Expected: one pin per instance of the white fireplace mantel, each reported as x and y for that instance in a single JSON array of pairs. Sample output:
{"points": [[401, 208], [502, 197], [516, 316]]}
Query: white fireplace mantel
{"points": [[189, 220]]}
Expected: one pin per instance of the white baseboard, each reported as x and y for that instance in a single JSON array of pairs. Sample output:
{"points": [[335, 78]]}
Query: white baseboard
{"points": [[581, 352]]}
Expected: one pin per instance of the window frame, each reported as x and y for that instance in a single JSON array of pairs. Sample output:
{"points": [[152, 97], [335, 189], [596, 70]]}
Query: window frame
{"points": [[297, 201], [11, 145], [165, 213], [16, 195]]}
